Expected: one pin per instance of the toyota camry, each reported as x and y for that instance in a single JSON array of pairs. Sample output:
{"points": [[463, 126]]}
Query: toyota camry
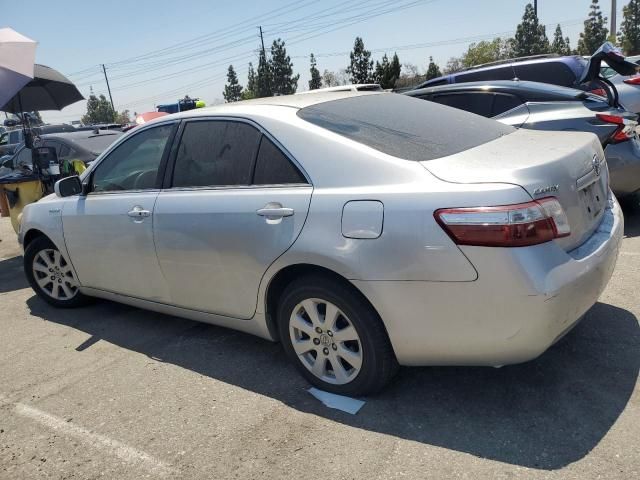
{"points": [[361, 230]]}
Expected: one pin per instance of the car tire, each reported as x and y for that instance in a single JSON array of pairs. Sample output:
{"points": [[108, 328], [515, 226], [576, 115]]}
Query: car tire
{"points": [[51, 276], [335, 337]]}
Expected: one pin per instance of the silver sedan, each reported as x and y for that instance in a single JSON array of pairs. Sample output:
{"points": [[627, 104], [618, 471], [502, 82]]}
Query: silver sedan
{"points": [[362, 230]]}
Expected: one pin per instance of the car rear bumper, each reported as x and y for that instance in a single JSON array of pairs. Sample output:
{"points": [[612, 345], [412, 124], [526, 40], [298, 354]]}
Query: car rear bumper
{"points": [[523, 301], [623, 160]]}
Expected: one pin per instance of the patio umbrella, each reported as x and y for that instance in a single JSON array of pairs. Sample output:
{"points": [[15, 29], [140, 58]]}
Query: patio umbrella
{"points": [[17, 54], [49, 90]]}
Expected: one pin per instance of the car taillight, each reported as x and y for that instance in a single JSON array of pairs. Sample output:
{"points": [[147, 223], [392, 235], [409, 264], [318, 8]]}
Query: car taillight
{"points": [[599, 91], [635, 80], [625, 127], [517, 225]]}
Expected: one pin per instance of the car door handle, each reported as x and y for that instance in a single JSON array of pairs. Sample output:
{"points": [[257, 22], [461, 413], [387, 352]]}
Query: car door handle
{"points": [[275, 212], [139, 212]]}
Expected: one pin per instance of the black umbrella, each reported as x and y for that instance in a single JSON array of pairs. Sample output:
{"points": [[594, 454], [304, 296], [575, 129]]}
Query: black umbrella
{"points": [[49, 90]]}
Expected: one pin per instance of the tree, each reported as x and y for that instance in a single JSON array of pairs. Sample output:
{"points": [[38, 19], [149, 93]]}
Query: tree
{"points": [[252, 86], [264, 80], [595, 31], [531, 38], [560, 44], [395, 67], [99, 110], [486, 52], [123, 117], [232, 90], [454, 64], [385, 74], [360, 69], [629, 38], [329, 78], [316, 80], [433, 70], [283, 80]]}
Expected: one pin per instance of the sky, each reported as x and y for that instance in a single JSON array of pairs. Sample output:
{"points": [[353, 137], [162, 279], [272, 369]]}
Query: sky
{"points": [[156, 51]]}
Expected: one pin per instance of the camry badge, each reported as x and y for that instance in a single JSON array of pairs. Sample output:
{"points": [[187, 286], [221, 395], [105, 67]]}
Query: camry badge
{"points": [[596, 165], [547, 189]]}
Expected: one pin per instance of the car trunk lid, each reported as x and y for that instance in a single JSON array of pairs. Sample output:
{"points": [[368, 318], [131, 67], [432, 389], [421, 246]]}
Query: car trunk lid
{"points": [[567, 165]]}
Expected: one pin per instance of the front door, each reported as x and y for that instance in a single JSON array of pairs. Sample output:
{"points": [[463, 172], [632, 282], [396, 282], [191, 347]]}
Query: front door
{"points": [[236, 203], [109, 231]]}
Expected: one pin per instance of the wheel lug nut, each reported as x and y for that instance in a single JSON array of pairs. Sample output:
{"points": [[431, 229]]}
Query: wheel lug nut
{"points": [[330, 333], [51, 270], [334, 346], [52, 277], [59, 281], [325, 350], [316, 341], [318, 330]]}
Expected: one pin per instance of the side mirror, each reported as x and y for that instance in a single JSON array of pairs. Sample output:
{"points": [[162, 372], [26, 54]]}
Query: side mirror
{"points": [[44, 156], [68, 186]]}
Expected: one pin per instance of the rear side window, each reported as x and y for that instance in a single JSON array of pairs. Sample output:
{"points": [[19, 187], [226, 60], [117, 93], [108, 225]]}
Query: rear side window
{"points": [[273, 167], [503, 102], [497, 73], [404, 127], [474, 102], [215, 153], [557, 73]]}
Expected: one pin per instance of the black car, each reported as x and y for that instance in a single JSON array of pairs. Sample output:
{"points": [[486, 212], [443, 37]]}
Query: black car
{"points": [[83, 145]]}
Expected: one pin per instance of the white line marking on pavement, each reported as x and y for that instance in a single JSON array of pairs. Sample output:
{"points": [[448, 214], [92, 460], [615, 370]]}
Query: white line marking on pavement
{"points": [[633, 254], [119, 449]]}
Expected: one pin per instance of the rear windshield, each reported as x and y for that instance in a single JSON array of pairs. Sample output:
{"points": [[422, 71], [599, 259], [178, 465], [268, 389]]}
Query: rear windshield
{"points": [[97, 144], [403, 126]]}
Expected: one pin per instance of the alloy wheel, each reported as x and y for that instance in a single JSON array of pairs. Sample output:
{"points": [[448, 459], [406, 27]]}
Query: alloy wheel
{"points": [[325, 341], [54, 275]]}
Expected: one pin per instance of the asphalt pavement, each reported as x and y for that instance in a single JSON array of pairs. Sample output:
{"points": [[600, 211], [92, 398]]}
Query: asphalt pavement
{"points": [[110, 391]]}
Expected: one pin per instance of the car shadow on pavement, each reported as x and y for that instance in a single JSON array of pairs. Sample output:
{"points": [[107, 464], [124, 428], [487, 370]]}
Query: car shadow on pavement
{"points": [[12, 275], [543, 414]]}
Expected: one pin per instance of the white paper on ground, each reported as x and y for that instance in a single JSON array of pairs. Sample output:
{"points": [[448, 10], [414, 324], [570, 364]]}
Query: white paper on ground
{"points": [[339, 402]]}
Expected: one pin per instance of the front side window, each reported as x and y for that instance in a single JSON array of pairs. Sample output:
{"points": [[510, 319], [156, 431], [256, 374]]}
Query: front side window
{"points": [[134, 164], [215, 153]]}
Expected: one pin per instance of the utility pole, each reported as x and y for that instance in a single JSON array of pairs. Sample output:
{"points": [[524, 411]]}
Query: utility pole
{"points": [[535, 7], [108, 88], [262, 41], [612, 30]]}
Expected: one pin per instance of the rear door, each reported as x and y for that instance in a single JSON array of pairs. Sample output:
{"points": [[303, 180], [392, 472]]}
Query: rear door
{"points": [[235, 202]]}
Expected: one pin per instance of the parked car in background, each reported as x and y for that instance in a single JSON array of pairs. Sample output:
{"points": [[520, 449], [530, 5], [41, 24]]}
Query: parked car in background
{"points": [[362, 230], [11, 139], [84, 146], [565, 71], [541, 106], [628, 86]]}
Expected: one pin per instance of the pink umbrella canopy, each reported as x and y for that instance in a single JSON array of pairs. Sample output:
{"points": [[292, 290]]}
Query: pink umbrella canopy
{"points": [[17, 57]]}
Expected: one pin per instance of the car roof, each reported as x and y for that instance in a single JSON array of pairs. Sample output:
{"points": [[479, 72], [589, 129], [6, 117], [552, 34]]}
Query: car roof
{"points": [[290, 101], [532, 91], [79, 135], [531, 60]]}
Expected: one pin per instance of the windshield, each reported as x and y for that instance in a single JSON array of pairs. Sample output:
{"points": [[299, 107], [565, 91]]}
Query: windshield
{"points": [[404, 127]]}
